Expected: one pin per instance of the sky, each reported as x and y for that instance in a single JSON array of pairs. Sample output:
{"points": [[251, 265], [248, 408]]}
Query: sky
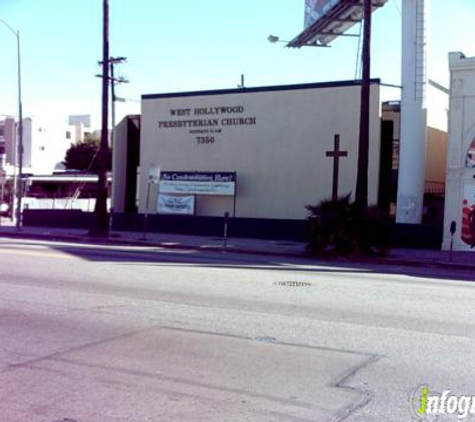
{"points": [[189, 45]]}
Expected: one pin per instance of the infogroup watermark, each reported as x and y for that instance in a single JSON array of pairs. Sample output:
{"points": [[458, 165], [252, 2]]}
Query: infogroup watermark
{"points": [[427, 405]]}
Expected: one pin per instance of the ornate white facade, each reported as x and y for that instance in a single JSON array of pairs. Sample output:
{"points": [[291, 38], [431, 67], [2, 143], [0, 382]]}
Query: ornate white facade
{"points": [[460, 178]]}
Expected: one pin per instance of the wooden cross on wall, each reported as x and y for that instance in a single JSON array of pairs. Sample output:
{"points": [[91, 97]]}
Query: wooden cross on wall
{"points": [[336, 154]]}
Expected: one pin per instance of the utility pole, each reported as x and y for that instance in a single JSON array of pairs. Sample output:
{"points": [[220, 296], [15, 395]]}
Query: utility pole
{"points": [[361, 194], [111, 61], [100, 226], [114, 81]]}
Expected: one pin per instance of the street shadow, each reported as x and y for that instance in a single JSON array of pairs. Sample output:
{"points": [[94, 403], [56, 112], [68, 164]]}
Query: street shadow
{"points": [[156, 256], [159, 257]]}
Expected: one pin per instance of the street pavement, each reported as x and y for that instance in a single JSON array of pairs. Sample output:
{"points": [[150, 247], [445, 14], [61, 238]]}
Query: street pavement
{"points": [[101, 334], [114, 333]]}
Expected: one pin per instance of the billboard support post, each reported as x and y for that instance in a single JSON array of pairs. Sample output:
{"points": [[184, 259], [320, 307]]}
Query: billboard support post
{"points": [[361, 192], [326, 20], [412, 148]]}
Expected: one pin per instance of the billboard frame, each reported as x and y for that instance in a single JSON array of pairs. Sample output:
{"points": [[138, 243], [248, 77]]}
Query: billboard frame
{"points": [[333, 24]]}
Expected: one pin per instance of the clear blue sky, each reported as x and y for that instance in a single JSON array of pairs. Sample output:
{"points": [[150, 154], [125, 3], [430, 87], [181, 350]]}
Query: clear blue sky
{"points": [[188, 45]]}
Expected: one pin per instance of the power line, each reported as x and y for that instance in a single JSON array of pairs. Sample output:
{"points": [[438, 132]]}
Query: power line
{"points": [[396, 5], [358, 54]]}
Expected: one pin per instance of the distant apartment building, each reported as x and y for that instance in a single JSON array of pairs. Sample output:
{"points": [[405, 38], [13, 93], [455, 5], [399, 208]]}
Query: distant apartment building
{"points": [[81, 124], [44, 144], [7, 142]]}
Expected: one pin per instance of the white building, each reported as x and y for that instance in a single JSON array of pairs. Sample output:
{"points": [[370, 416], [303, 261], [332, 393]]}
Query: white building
{"points": [[44, 144], [81, 124], [460, 192], [7, 142]]}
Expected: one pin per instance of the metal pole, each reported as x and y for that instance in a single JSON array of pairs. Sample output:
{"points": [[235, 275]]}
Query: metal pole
{"points": [[145, 217], [113, 102], [225, 234], [20, 142], [18, 184], [113, 128], [111, 222], [453, 229]]}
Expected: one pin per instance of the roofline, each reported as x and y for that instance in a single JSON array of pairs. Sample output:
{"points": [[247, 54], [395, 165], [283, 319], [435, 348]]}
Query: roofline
{"points": [[315, 85]]}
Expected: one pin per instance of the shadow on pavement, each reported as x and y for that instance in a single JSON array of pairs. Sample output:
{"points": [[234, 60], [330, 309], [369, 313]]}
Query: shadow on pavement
{"points": [[157, 256]]}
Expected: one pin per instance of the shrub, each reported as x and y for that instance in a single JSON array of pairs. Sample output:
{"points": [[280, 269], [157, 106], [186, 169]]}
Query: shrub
{"points": [[341, 228]]}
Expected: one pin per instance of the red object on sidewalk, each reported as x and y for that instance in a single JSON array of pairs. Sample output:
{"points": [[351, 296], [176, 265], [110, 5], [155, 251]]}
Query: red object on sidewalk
{"points": [[468, 223]]}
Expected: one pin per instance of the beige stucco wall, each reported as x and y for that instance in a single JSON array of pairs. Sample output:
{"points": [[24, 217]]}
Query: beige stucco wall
{"points": [[436, 159], [436, 139], [279, 155]]}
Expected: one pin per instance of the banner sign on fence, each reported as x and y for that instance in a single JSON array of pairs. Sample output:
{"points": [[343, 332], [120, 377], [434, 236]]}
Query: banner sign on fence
{"points": [[198, 183], [183, 205]]}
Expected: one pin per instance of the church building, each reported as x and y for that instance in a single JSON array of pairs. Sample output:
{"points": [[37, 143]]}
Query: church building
{"points": [[258, 155]]}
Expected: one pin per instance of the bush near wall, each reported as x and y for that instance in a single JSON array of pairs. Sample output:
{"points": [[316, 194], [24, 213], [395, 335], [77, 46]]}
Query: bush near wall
{"points": [[340, 228]]}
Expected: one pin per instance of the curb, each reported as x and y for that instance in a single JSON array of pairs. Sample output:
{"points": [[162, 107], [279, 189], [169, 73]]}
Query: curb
{"points": [[421, 263]]}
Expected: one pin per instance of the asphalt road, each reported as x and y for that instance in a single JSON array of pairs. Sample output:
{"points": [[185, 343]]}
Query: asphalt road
{"points": [[99, 334]]}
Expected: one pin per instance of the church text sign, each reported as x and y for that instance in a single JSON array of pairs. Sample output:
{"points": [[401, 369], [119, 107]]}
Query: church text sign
{"points": [[198, 183], [206, 123]]}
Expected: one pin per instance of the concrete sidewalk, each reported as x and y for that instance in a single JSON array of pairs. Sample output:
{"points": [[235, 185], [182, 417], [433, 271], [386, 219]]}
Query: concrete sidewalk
{"points": [[165, 240], [396, 256]]}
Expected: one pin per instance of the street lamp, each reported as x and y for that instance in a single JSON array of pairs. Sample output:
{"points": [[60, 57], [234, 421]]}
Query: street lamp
{"points": [[19, 175], [273, 39]]}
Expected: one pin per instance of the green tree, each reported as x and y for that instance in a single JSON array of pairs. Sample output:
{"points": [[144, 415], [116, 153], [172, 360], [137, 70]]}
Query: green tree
{"points": [[83, 155]]}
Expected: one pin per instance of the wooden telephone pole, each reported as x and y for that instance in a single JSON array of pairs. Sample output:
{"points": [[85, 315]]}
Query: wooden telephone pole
{"points": [[100, 226], [361, 194]]}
